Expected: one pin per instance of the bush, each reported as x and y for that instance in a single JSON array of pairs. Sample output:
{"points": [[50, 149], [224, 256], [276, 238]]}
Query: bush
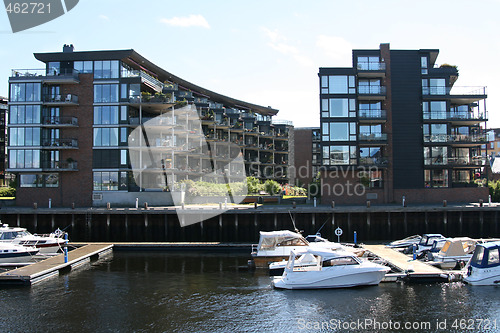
{"points": [[272, 187], [253, 185], [7, 192]]}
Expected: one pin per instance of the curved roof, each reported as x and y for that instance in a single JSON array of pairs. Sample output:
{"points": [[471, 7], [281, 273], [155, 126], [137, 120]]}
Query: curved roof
{"points": [[132, 57]]}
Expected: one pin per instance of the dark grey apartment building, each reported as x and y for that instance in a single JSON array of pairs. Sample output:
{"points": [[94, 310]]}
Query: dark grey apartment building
{"points": [[399, 125]]}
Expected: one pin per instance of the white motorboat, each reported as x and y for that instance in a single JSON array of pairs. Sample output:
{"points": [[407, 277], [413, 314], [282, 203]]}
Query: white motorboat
{"points": [[317, 269], [47, 244], [455, 252], [426, 244], [405, 242], [13, 253], [277, 245], [483, 268]]}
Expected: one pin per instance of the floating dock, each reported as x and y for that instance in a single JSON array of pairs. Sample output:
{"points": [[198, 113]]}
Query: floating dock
{"points": [[44, 269], [413, 270]]}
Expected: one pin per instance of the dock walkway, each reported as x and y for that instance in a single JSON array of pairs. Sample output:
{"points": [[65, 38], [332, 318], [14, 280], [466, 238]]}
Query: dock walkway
{"points": [[414, 269], [41, 270]]}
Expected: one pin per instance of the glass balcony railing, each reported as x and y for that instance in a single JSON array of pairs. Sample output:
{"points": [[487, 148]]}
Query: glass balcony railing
{"points": [[45, 74], [62, 143], [456, 138], [372, 137], [372, 90], [59, 166], [464, 115], [375, 161], [60, 120], [372, 114], [371, 66], [455, 91], [456, 161], [60, 99]]}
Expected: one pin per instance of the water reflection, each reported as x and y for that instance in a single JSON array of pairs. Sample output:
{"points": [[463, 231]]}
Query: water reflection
{"points": [[212, 292]]}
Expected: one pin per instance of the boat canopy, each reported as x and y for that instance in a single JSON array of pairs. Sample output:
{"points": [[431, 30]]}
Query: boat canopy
{"points": [[458, 247], [486, 255], [271, 239]]}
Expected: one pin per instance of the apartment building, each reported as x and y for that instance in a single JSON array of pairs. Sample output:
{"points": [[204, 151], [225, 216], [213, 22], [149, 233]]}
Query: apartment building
{"points": [[70, 131], [396, 125]]}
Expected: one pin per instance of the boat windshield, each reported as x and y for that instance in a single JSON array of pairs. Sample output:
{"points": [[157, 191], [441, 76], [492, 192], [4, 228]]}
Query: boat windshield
{"points": [[342, 261], [8, 235]]}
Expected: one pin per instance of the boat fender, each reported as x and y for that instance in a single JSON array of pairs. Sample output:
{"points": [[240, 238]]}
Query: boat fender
{"points": [[430, 256], [469, 271]]}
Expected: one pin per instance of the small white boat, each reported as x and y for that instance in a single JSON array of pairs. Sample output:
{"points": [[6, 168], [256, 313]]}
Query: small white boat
{"points": [[455, 252], [277, 245], [12, 253], [405, 242], [426, 244], [483, 268], [47, 244], [316, 269]]}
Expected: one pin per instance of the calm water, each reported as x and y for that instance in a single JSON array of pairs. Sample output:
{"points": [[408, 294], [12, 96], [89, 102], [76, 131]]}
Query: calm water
{"points": [[203, 292]]}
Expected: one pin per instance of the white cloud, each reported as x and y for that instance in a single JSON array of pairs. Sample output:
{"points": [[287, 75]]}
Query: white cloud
{"points": [[189, 21], [279, 43], [336, 48], [104, 17]]}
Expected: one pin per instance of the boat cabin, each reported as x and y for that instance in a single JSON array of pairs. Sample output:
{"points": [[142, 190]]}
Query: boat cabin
{"points": [[457, 247], [486, 255]]}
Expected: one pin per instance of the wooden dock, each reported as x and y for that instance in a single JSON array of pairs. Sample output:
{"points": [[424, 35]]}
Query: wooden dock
{"points": [[414, 270], [44, 269]]}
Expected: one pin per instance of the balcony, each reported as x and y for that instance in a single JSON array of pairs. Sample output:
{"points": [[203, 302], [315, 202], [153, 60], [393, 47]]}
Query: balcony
{"points": [[456, 162], [459, 118], [457, 139], [60, 144], [63, 76], [59, 166], [372, 116], [367, 138], [374, 161], [371, 69], [58, 100], [146, 78], [372, 92], [59, 121], [460, 95], [201, 101]]}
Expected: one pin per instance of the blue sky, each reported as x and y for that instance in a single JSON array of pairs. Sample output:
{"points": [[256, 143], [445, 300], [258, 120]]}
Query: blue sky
{"points": [[268, 52]]}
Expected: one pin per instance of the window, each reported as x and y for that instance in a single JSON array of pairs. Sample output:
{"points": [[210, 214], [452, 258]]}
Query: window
{"points": [[461, 176], [436, 178], [53, 68], [371, 179], [370, 63], [105, 115], [371, 110], [434, 110], [84, 67], [24, 114], [25, 92], [434, 86], [24, 159], [371, 132], [435, 155], [435, 133], [371, 86], [123, 157], [106, 136], [24, 136], [339, 155], [106, 181], [39, 180], [106, 93], [424, 65], [338, 84], [106, 69]]}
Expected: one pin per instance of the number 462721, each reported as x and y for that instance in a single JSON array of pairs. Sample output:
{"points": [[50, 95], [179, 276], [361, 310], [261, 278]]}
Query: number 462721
{"points": [[28, 8]]}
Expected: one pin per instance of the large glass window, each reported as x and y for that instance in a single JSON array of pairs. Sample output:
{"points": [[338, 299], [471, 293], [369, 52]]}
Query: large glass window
{"points": [[24, 158], [338, 84], [434, 110], [106, 69], [104, 115], [106, 93], [106, 181], [435, 132], [24, 114], [25, 92], [369, 63], [106, 136], [84, 67], [24, 136], [436, 178], [339, 155], [435, 155], [39, 180], [434, 86], [371, 86]]}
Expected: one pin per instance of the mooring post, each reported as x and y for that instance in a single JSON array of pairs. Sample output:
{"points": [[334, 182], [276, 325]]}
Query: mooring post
{"points": [[355, 238], [66, 248]]}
